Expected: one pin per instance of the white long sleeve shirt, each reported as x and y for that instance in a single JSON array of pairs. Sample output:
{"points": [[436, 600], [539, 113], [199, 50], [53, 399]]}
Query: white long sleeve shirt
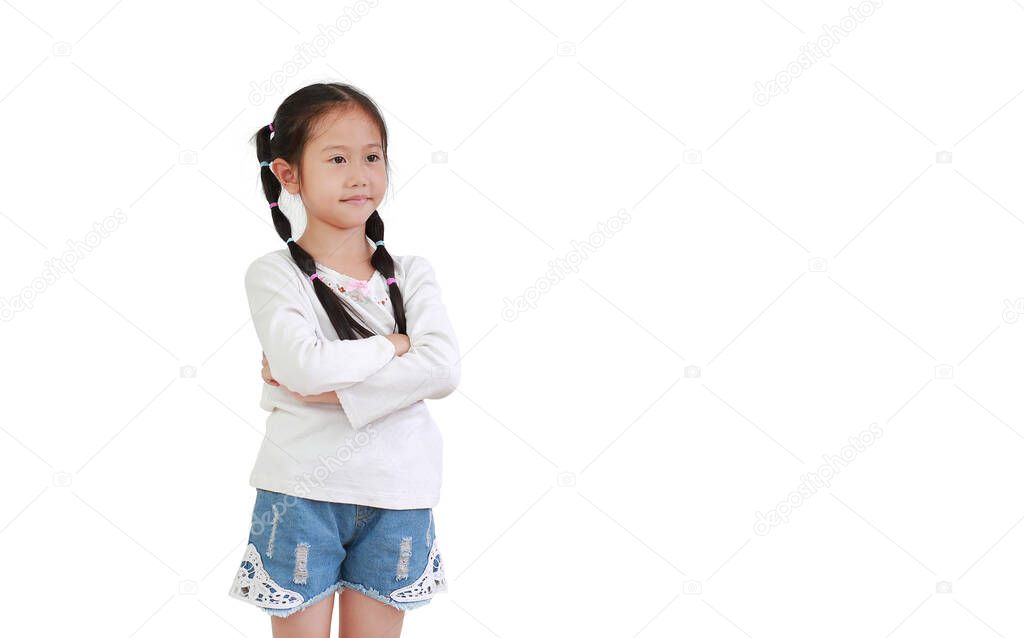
{"points": [[379, 446]]}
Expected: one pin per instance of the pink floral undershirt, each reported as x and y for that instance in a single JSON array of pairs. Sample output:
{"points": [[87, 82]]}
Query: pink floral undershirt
{"points": [[368, 291]]}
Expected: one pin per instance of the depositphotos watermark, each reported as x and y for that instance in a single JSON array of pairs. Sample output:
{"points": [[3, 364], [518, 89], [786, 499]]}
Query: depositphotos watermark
{"points": [[811, 482], [63, 264], [560, 267], [1013, 310], [304, 483], [307, 52], [814, 51]]}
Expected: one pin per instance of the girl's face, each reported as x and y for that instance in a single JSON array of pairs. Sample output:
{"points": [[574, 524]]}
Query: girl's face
{"points": [[342, 162]]}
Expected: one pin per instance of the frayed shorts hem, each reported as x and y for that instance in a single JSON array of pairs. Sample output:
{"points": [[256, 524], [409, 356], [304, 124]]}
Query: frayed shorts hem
{"points": [[376, 595], [366, 591], [283, 613]]}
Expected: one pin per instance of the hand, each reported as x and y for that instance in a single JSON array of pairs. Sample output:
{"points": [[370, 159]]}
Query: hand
{"points": [[401, 343], [266, 372], [323, 397]]}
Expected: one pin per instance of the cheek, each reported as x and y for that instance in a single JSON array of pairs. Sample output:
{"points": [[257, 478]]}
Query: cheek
{"points": [[326, 180]]}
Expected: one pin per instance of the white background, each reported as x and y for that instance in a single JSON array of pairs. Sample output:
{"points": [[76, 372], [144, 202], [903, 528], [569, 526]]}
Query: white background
{"points": [[844, 258]]}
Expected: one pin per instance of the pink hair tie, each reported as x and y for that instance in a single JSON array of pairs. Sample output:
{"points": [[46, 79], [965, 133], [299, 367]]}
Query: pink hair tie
{"points": [[271, 125], [390, 280], [315, 275], [273, 204]]}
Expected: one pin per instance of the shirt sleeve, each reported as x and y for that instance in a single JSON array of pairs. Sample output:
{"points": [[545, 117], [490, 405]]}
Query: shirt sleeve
{"points": [[286, 325], [429, 370], [265, 401]]}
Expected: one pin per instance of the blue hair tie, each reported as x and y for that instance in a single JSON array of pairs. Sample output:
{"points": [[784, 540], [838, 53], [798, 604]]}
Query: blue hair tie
{"points": [[264, 163], [379, 242], [288, 240]]}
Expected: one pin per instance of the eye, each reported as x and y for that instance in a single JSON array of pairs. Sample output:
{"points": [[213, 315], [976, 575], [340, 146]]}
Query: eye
{"points": [[336, 157], [374, 155]]}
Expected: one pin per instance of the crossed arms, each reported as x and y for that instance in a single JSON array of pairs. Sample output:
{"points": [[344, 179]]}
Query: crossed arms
{"points": [[369, 378]]}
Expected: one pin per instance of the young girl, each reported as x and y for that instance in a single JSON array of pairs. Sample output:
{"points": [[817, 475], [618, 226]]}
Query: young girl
{"points": [[354, 340]]}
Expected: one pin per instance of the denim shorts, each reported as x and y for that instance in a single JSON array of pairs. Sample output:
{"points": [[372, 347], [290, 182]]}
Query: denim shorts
{"points": [[301, 550]]}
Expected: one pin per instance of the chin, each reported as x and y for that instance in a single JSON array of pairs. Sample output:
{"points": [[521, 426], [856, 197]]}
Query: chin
{"points": [[345, 221]]}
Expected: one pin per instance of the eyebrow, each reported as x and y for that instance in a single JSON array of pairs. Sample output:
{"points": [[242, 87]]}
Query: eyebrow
{"points": [[345, 148]]}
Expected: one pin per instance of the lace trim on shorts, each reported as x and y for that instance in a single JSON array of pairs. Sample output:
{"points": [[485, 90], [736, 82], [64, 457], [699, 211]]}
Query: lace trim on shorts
{"points": [[429, 583], [254, 584]]}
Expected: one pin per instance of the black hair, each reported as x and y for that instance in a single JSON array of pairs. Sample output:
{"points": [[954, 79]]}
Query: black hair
{"points": [[286, 137]]}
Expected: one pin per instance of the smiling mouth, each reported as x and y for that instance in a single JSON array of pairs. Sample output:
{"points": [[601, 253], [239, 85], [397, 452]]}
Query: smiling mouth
{"points": [[356, 200]]}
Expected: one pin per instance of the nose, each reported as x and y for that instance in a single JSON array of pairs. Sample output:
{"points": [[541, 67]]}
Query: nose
{"points": [[357, 175]]}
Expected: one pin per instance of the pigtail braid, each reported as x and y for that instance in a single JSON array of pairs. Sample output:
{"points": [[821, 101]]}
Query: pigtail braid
{"points": [[343, 320], [385, 265]]}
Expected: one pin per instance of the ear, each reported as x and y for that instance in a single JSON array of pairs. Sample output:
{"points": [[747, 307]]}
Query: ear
{"points": [[286, 175]]}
